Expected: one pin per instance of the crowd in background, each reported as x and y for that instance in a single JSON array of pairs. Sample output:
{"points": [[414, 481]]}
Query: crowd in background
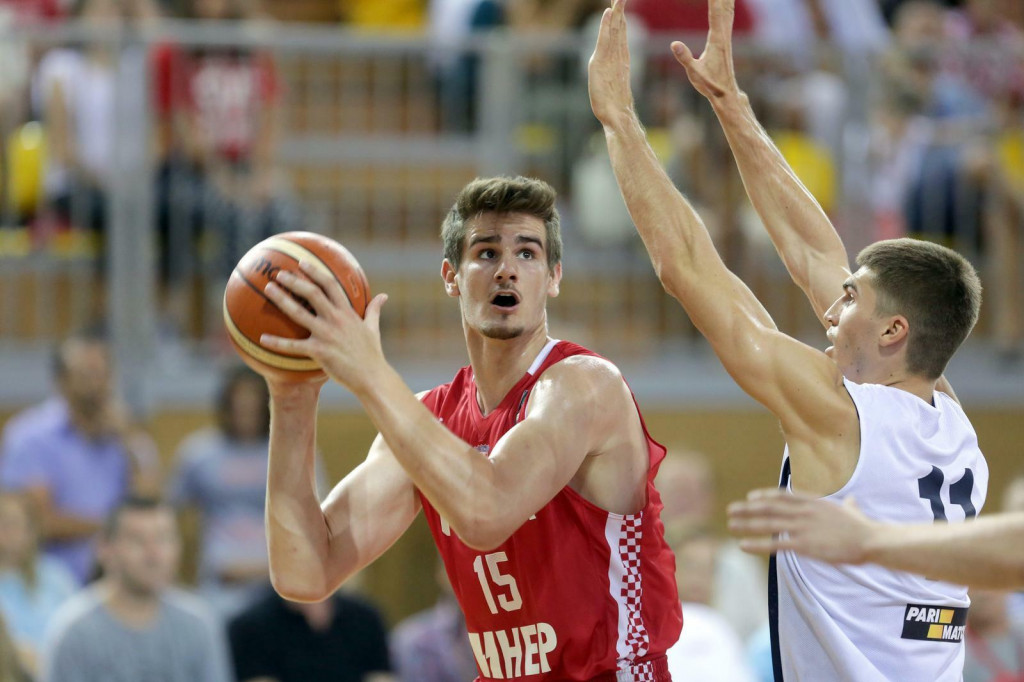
{"points": [[904, 116], [88, 556]]}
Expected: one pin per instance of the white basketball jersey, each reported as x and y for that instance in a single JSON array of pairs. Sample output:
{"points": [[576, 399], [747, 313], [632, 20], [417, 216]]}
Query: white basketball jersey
{"points": [[918, 463]]}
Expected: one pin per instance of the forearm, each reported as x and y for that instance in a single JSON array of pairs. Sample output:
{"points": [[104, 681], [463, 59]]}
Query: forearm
{"points": [[298, 538], [670, 228], [796, 223], [987, 552], [459, 482]]}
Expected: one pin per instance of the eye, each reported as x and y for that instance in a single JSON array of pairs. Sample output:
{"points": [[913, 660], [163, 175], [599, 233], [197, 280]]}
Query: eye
{"points": [[527, 254], [486, 253]]}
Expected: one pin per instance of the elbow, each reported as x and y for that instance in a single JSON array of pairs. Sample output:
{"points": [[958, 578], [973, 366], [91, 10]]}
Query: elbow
{"points": [[483, 531], [483, 539], [297, 590], [671, 277]]}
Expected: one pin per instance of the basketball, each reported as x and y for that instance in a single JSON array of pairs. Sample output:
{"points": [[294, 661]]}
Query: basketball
{"points": [[248, 313]]}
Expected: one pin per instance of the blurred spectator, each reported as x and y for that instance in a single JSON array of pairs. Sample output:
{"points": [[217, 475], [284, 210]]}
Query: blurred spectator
{"points": [[131, 625], [433, 645], [32, 587], [218, 109], [222, 473], [10, 669], [995, 646], [453, 21], [77, 455], [951, 82], [74, 91], [341, 639], [739, 587], [15, 68], [708, 649], [989, 48]]}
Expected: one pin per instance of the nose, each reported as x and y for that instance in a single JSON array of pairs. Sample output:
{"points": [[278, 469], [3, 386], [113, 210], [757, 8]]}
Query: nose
{"points": [[506, 269], [832, 314]]}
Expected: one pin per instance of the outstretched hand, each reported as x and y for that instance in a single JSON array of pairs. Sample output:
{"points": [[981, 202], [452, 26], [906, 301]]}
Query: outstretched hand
{"points": [[347, 346], [611, 96], [814, 527], [712, 75]]}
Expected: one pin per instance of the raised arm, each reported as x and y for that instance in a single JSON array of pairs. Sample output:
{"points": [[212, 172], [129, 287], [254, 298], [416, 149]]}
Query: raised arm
{"points": [[801, 232], [986, 552], [796, 382], [313, 548]]}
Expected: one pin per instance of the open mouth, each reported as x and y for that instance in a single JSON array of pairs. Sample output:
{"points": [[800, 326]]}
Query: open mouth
{"points": [[505, 299]]}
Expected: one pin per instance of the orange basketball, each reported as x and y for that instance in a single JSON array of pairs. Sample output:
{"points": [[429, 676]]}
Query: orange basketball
{"points": [[248, 313]]}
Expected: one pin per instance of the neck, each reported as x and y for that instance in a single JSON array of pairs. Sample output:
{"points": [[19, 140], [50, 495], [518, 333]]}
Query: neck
{"points": [[498, 364], [88, 425], [919, 386], [133, 608]]}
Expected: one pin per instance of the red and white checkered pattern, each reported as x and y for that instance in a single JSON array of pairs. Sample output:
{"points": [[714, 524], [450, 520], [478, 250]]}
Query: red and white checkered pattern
{"points": [[641, 672], [632, 588]]}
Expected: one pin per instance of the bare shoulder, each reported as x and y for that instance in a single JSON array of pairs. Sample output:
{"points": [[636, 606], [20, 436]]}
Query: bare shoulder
{"points": [[606, 421], [584, 379]]}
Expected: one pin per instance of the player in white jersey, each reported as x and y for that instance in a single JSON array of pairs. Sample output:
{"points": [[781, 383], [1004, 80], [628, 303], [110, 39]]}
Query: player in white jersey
{"points": [[871, 415]]}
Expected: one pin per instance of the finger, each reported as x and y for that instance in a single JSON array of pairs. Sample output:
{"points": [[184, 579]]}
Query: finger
{"points": [[372, 315], [320, 274], [768, 508], [295, 311], [682, 53], [620, 30], [720, 17], [284, 345], [305, 288], [759, 526], [767, 493]]}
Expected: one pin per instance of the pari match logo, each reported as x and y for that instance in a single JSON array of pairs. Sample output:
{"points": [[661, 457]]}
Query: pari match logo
{"points": [[934, 623]]}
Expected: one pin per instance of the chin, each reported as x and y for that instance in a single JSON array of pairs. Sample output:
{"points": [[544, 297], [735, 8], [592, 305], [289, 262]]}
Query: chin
{"points": [[502, 333]]}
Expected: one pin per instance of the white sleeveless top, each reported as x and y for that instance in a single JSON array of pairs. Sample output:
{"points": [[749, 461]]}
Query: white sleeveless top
{"points": [[918, 463]]}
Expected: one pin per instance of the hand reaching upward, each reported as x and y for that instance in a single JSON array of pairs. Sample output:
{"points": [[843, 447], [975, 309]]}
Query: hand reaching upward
{"points": [[712, 74], [611, 96]]}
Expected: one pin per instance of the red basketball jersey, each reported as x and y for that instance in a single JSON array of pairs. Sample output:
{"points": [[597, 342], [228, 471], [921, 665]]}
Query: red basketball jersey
{"points": [[577, 592]]}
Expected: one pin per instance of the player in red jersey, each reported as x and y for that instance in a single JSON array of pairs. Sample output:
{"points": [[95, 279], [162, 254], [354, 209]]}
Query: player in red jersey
{"points": [[533, 465]]}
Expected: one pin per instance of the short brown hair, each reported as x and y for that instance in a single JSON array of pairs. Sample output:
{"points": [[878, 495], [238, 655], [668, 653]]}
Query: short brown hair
{"points": [[502, 195], [935, 288]]}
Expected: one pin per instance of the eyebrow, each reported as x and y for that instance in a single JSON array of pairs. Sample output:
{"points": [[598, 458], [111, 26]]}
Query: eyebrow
{"points": [[495, 239], [486, 239], [520, 239]]}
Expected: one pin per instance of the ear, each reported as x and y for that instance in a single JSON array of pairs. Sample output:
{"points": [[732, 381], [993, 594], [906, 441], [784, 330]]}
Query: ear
{"points": [[556, 279], [896, 331], [451, 286]]}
